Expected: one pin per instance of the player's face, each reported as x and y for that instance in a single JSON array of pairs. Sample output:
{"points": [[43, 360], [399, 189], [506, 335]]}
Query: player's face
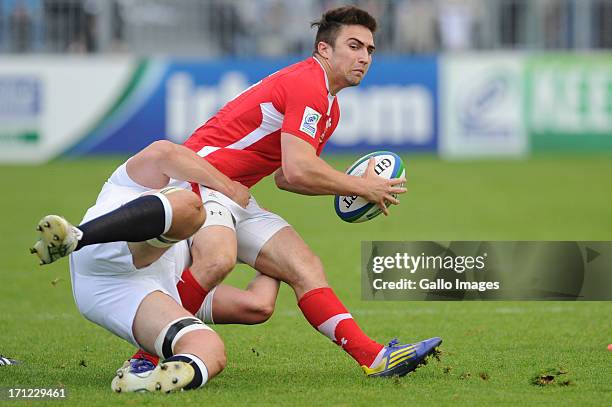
{"points": [[352, 54]]}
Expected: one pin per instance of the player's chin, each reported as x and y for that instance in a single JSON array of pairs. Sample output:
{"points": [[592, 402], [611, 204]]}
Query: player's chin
{"points": [[353, 80]]}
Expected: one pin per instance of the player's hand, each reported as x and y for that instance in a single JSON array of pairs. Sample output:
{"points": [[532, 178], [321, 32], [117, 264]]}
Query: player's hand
{"points": [[241, 194], [381, 191]]}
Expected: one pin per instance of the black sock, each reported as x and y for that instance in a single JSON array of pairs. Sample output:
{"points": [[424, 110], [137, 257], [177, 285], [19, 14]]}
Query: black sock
{"points": [[201, 373], [139, 220]]}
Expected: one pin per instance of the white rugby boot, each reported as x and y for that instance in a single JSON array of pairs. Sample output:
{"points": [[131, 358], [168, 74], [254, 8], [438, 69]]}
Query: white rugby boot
{"points": [[4, 361], [58, 238], [140, 375]]}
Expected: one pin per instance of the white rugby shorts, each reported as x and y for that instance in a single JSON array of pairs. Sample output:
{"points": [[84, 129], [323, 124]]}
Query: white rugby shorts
{"points": [[107, 288], [253, 225]]}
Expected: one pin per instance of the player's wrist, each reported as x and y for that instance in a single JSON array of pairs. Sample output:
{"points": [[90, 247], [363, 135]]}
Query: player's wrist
{"points": [[231, 191], [359, 186]]}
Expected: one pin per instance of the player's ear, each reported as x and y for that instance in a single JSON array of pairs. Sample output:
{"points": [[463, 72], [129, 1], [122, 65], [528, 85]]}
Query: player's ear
{"points": [[324, 49]]}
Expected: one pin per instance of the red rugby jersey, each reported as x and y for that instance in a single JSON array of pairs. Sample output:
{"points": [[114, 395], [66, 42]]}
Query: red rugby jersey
{"points": [[243, 139]]}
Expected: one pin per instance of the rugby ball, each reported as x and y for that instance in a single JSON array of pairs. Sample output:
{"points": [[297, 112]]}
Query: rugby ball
{"points": [[355, 209]]}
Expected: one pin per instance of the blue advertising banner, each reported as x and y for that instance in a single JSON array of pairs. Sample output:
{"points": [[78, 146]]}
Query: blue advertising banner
{"points": [[394, 108]]}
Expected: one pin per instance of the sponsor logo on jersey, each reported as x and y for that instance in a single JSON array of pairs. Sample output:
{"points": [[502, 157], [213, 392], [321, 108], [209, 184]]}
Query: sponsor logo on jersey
{"points": [[309, 121]]}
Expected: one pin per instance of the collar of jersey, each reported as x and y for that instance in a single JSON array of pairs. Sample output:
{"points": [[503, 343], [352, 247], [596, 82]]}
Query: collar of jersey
{"points": [[324, 75]]}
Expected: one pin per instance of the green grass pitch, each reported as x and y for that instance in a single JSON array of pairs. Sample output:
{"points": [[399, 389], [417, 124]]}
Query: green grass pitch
{"points": [[491, 351]]}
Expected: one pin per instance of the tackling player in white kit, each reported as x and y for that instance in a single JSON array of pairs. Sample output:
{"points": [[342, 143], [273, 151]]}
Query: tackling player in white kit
{"points": [[128, 255]]}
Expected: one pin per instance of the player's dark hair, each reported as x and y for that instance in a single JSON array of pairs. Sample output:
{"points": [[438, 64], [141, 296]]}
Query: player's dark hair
{"points": [[331, 21]]}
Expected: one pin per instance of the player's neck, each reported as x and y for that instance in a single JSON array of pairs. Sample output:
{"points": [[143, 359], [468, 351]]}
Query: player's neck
{"points": [[333, 86]]}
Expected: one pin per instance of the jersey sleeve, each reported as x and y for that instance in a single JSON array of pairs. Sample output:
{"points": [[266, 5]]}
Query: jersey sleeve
{"points": [[304, 111]]}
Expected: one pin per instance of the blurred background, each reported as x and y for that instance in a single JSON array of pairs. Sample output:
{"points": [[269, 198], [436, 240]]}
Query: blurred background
{"points": [[455, 78], [212, 28]]}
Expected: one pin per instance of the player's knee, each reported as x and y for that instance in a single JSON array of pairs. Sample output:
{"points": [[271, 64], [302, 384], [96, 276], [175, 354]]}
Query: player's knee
{"points": [[212, 266], [259, 312], [188, 214], [223, 263], [161, 149]]}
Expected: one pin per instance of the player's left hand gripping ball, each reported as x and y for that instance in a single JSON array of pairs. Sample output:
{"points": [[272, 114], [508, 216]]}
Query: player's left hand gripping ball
{"points": [[355, 209]]}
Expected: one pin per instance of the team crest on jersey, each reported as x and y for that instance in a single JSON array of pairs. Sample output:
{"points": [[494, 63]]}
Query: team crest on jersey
{"points": [[309, 121]]}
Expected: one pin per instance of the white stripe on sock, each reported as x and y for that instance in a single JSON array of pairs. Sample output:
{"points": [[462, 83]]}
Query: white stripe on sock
{"points": [[186, 330], [200, 364], [167, 211], [328, 328], [205, 313], [378, 358]]}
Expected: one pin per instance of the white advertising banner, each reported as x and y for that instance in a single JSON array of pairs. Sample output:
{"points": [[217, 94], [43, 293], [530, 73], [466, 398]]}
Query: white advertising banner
{"points": [[47, 104], [482, 110]]}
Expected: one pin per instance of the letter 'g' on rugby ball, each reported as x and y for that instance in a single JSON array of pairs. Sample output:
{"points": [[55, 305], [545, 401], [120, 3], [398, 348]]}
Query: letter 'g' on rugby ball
{"points": [[355, 209]]}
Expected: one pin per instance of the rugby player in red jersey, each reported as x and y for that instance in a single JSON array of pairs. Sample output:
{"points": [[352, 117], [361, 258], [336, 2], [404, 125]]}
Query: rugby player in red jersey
{"points": [[280, 125]]}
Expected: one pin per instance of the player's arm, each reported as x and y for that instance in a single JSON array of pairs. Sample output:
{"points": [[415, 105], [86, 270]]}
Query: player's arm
{"points": [[157, 163], [281, 182], [304, 172]]}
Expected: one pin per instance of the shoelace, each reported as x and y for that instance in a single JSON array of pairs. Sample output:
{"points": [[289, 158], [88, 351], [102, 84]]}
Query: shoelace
{"points": [[141, 365], [394, 342]]}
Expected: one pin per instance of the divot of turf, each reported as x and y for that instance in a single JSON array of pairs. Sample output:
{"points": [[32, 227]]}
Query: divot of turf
{"points": [[550, 377]]}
